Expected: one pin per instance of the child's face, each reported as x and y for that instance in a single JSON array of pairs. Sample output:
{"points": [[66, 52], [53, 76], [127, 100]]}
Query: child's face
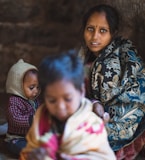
{"points": [[97, 32], [62, 99], [31, 86]]}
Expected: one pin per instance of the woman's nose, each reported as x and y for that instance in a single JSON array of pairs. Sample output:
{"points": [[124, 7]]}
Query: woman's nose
{"points": [[95, 34]]}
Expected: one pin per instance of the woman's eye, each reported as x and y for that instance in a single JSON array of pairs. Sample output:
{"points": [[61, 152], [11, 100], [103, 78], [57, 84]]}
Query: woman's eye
{"points": [[90, 29], [103, 30]]}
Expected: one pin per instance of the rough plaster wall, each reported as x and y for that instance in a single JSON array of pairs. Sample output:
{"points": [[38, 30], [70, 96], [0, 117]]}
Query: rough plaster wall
{"points": [[32, 29]]}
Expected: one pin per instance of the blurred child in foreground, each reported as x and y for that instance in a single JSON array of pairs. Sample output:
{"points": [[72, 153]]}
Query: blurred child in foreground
{"points": [[65, 127]]}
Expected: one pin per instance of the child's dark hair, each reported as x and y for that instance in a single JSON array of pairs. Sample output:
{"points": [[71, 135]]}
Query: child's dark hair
{"points": [[65, 66], [111, 13]]}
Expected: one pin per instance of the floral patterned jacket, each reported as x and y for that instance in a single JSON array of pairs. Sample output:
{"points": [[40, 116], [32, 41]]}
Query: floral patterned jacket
{"points": [[117, 78]]}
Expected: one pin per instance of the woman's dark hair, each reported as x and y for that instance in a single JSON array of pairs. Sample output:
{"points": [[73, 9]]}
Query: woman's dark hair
{"points": [[111, 13], [65, 66]]}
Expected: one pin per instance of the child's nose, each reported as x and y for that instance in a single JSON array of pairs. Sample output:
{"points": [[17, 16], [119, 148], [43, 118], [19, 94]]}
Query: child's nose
{"points": [[36, 91], [61, 105]]}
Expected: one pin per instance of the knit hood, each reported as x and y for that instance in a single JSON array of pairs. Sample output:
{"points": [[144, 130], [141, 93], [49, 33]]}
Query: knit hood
{"points": [[14, 82]]}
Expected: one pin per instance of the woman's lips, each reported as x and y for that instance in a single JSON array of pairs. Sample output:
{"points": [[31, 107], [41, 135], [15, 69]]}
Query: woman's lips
{"points": [[95, 44]]}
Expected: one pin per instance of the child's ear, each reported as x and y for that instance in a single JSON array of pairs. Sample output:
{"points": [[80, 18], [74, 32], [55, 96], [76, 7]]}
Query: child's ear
{"points": [[83, 90]]}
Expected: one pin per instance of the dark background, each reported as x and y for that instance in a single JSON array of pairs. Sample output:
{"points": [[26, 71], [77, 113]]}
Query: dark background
{"points": [[32, 29]]}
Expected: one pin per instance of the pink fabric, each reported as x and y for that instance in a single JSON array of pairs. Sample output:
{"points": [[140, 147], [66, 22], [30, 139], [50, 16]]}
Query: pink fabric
{"points": [[52, 146], [44, 125], [131, 151]]}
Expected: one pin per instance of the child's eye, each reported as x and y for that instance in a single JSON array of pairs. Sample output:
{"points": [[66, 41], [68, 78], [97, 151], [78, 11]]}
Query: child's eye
{"points": [[38, 87], [31, 87], [68, 99], [51, 101]]}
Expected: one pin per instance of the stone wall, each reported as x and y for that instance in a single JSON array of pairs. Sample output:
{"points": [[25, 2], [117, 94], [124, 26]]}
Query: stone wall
{"points": [[32, 29]]}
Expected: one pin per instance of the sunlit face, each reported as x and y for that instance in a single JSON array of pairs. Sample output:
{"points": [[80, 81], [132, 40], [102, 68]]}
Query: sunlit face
{"points": [[31, 85], [62, 99], [97, 32]]}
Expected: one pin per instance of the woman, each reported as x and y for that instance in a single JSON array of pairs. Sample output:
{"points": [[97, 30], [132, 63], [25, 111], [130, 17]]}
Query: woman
{"points": [[116, 79]]}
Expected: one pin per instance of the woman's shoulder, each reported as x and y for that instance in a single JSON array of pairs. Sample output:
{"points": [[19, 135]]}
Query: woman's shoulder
{"points": [[125, 46], [123, 42]]}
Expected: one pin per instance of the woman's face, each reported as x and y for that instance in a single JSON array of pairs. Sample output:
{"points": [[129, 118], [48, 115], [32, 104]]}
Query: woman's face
{"points": [[97, 32]]}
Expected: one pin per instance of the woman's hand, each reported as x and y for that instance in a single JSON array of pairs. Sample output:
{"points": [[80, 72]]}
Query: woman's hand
{"points": [[99, 110]]}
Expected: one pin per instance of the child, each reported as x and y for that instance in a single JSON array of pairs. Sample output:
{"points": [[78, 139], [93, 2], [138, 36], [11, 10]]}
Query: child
{"points": [[65, 126], [23, 87]]}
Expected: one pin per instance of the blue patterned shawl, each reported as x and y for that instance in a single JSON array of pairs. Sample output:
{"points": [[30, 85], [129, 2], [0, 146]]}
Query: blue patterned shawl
{"points": [[118, 81]]}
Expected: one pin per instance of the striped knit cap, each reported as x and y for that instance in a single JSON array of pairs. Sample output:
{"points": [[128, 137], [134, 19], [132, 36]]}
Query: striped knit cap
{"points": [[14, 82]]}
